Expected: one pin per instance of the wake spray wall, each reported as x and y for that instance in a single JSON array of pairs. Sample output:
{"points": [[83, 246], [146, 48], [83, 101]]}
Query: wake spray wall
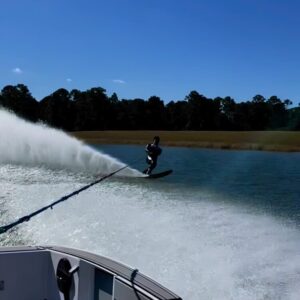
{"points": [[25, 143]]}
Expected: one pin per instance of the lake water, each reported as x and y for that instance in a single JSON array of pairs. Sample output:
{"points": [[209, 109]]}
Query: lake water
{"points": [[224, 225]]}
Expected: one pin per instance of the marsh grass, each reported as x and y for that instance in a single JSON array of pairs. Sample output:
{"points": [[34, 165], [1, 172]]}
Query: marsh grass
{"points": [[288, 141]]}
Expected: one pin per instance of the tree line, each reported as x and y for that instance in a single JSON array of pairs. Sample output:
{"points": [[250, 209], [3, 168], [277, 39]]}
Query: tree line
{"points": [[93, 109]]}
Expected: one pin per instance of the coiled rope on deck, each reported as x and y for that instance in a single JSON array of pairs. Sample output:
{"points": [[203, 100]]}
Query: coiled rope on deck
{"points": [[26, 218]]}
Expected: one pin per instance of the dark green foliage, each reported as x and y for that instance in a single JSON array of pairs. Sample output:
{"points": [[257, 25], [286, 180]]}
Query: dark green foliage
{"points": [[259, 114], [177, 115], [18, 99], [203, 113], [131, 114], [228, 111], [57, 110], [294, 119], [94, 110], [155, 113], [278, 113]]}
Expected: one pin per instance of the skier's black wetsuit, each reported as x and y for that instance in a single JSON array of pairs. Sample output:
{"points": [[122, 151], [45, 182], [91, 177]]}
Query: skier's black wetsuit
{"points": [[153, 151]]}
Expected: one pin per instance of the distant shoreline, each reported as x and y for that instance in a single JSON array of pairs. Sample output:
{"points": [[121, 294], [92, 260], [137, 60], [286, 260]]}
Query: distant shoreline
{"points": [[281, 141]]}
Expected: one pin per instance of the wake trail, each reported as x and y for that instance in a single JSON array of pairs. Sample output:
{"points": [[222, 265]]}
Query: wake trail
{"points": [[26, 143]]}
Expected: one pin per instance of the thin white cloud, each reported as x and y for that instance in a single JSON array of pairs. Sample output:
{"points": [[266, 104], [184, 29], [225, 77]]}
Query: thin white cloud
{"points": [[17, 71], [69, 80], [120, 81]]}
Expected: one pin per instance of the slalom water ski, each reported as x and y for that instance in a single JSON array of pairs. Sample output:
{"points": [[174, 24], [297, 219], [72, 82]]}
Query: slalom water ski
{"points": [[159, 175]]}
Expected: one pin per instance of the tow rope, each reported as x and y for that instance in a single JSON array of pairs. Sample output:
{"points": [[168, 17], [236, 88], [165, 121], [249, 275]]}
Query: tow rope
{"points": [[26, 218]]}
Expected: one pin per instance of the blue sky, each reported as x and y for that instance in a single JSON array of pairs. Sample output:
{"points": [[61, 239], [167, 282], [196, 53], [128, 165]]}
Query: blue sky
{"points": [[140, 48]]}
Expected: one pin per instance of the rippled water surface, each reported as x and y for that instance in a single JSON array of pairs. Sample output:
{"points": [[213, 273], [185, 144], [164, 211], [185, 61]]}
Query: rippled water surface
{"points": [[224, 225]]}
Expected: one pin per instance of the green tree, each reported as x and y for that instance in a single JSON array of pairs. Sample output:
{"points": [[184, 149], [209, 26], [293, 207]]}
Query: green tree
{"points": [[155, 113], [19, 99], [227, 113], [93, 110], [57, 110], [259, 113], [203, 113], [177, 115], [278, 113]]}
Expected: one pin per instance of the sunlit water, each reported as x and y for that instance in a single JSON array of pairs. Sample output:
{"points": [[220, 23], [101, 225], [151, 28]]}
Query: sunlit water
{"points": [[224, 225]]}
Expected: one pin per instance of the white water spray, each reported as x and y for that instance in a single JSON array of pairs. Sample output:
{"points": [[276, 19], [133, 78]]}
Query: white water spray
{"points": [[25, 143]]}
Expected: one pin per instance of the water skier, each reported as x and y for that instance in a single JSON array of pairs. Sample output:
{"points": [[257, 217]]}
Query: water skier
{"points": [[153, 151]]}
